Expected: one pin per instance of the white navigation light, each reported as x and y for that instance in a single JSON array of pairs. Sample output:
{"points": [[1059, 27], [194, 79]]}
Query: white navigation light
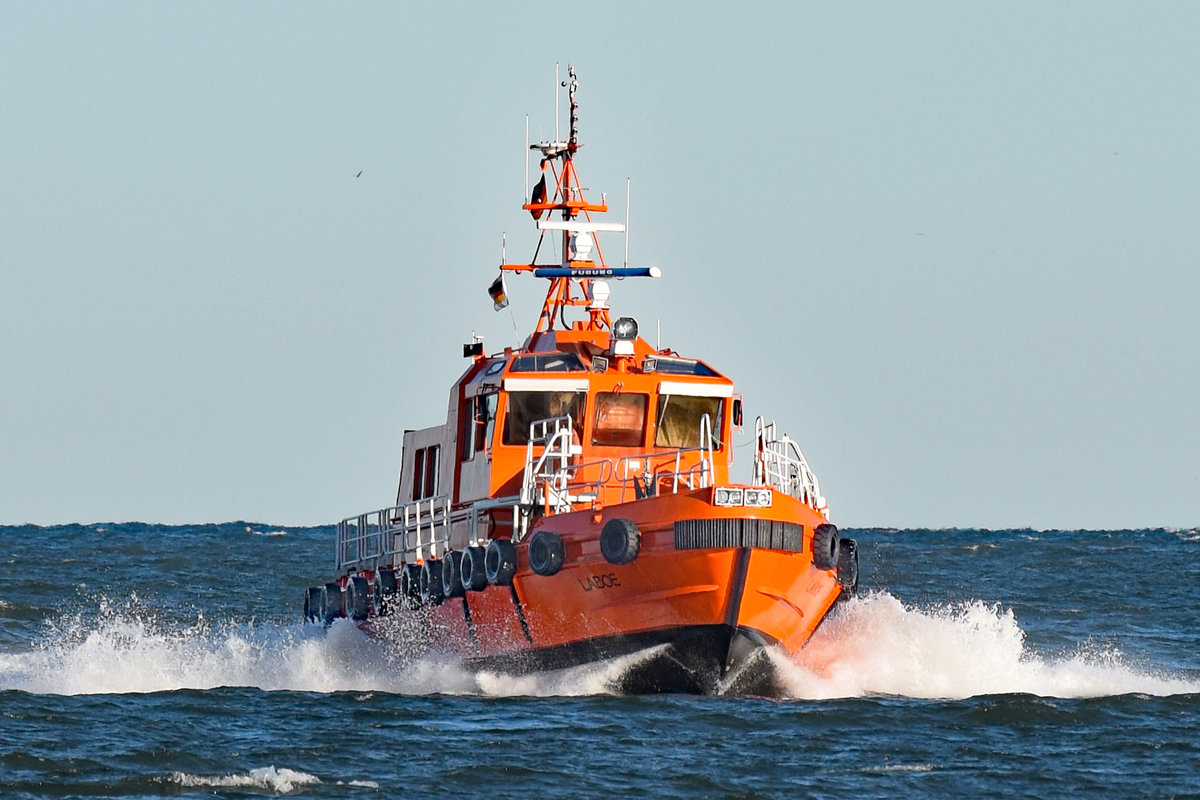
{"points": [[625, 329]]}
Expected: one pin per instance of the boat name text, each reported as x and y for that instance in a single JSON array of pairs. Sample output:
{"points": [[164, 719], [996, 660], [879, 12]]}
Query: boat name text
{"points": [[600, 582]]}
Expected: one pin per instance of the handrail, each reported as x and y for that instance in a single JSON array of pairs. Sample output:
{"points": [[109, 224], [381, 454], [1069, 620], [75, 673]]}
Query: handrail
{"points": [[555, 434], [414, 531], [553, 481], [779, 462]]}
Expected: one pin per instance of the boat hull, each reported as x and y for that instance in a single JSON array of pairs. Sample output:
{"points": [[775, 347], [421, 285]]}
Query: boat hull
{"points": [[702, 617], [701, 659]]}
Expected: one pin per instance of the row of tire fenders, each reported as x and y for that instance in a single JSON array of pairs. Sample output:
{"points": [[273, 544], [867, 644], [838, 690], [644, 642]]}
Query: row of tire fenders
{"points": [[476, 568], [460, 571]]}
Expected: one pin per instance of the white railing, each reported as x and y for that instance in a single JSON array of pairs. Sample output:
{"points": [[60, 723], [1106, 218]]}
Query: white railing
{"points": [[556, 482], [406, 533], [552, 470], [780, 463]]}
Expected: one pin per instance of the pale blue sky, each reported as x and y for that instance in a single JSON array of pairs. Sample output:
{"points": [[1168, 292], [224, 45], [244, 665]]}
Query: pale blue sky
{"points": [[951, 247]]}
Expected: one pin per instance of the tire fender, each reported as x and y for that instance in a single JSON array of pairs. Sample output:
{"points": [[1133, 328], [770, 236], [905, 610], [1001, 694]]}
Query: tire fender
{"points": [[358, 598], [620, 541], [333, 603], [500, 561], [431, 582], [847, 568], [827, 545], [546, 553], [474, 569], [452, 585]]}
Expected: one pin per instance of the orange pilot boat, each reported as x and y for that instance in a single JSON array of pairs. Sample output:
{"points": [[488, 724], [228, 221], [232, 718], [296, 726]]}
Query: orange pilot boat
{"points": [[578, 505]]}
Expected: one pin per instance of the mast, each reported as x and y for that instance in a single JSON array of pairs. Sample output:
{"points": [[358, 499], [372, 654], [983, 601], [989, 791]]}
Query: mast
{"points": [[571, 280]]}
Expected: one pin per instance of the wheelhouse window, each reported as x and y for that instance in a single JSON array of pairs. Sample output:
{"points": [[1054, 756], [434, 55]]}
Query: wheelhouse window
{"points": [[525, 408], [677, 366], [679, 419], [620, 419], [547, 362]]}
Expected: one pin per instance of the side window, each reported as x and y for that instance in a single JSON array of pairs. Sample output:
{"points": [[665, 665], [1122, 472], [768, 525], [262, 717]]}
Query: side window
{"points": [[418, 474], [479, 421], [678, 420], [432, 458], [466, 436], [620, 419], [485, 424]]}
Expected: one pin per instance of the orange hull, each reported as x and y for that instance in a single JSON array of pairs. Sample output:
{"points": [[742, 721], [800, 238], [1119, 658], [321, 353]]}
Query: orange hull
{"points": [[709, 611]]}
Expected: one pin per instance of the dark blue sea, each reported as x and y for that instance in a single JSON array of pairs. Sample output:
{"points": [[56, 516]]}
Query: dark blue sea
{"points": [[149, 661]]}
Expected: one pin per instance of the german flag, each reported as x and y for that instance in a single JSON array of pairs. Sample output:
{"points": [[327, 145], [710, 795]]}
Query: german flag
{"points": [[498, 292]]}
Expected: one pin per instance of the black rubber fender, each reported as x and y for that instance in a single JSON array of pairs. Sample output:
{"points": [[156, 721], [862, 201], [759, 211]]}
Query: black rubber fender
{"points": [[826, 544], [620, 541], [500, 562], [474, 569], [358, 598], [333, 604], [312, 604], [546, 553], [452, 585], [410, 585], [385, 590], [431, 582], [847, 569]]}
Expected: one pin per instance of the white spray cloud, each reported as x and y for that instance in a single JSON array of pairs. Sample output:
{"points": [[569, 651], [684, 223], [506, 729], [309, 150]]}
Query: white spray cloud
{"points": [[877, 645], [874, 645]]}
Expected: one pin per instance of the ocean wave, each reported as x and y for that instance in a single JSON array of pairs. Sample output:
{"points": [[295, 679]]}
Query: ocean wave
{"points": [[876, 645], [1187, 534], [126, 649], [872, 645], [254, 532], [279, 781]]}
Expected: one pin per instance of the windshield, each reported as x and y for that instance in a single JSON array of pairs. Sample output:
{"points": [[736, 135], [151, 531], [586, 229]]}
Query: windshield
{"points": [[620, 419], [679, 416], [528, 407]]}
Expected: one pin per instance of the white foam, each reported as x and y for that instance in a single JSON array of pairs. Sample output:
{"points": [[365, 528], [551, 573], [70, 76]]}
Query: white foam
{"points": [[254, 532], [875, 645], [128, 651], [280, 781], [590, 679], [900, 768]]}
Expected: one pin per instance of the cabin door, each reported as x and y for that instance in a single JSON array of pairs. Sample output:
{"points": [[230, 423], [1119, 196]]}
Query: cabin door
{"points": [[477, 424]]}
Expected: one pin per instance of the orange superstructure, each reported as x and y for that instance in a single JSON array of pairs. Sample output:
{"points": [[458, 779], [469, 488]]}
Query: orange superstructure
{"points": [[578, 504]]}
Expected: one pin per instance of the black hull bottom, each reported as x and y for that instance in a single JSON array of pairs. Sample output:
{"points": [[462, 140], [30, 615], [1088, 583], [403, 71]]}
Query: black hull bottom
{"points": [[707, 659]]}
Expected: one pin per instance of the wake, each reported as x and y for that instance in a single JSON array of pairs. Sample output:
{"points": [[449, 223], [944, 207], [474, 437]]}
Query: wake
{"points": [[873, 645]]}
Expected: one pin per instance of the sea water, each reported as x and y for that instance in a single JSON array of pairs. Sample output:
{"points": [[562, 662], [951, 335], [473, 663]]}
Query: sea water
{"points": [[145, 661]]}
